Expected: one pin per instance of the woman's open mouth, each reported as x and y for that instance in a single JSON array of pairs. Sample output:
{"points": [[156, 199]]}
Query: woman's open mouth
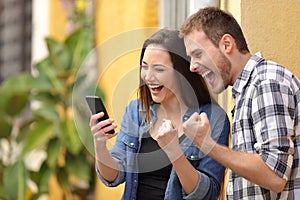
{"points": [[155, 89]]}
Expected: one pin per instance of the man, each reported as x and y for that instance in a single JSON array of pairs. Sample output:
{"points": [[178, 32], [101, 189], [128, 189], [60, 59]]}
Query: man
{"points": [[264, 159]]}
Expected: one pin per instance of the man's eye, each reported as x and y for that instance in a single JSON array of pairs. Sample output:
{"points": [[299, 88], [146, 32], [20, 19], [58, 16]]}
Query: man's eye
{"points": [[144, 67], [197, 55]]}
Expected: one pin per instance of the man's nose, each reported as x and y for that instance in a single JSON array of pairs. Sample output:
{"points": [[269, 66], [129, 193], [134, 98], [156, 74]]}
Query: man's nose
{"points": [[193, 68]]}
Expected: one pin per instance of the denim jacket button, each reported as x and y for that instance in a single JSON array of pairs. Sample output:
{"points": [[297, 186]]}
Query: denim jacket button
{"points": [[132, 144]]}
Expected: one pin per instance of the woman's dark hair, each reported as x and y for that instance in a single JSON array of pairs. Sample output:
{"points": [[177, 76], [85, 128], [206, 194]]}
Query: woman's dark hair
{"points": [[193, 89]]}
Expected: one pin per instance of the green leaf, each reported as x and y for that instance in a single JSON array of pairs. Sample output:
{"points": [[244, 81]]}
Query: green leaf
{"points": [[14, 182], [38, 136], [59, 55], [46, 98], [53, 150], [42, 177], [41, 68], [48, 75], [79, 166], [70, 137], [81, 43], [63, 178], [5, 128], [3, 193], [72, 39], [22, 175], [47, 111], [16, 104], [20, 83], [25, 128]]}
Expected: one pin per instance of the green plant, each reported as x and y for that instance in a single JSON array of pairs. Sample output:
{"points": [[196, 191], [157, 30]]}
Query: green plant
{"points": [[36, 116]]}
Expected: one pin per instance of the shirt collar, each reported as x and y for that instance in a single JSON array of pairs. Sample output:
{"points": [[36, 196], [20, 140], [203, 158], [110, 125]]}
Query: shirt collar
{"points": [[245, 75]]}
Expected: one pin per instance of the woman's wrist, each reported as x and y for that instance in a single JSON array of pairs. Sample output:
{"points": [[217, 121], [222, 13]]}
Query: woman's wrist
{"points": [[173, 152]]}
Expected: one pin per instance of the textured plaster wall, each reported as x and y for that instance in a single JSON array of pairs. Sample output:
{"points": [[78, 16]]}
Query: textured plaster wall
{"points": [[119, 71], [57, 20], [270, 26], [273, 27]]}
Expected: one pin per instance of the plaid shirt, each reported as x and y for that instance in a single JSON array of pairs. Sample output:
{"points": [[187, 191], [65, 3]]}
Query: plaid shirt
{"points": [[265, 121]]}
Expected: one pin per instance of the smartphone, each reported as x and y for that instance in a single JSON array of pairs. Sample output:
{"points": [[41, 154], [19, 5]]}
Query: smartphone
{"points": [[96, 105]]}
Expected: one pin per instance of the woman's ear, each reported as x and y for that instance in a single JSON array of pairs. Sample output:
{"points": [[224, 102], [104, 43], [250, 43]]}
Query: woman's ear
{"points": [[226, 43]]}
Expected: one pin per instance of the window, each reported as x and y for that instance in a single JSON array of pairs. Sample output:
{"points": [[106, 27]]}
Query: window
{"points": [[15, 37]]}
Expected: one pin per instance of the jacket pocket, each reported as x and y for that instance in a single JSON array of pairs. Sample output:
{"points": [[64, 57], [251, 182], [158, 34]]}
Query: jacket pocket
{"points": [[193, 154], [131, 143]]}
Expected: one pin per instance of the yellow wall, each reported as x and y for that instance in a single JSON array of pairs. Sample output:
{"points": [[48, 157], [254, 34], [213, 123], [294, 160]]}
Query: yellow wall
{"points": [[58, 20], [271, 27], [57, 24], [121, 28]]}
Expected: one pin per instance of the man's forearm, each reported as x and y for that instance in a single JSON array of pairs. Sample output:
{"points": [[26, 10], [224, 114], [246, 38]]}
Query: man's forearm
{"points": [[249, 166]]}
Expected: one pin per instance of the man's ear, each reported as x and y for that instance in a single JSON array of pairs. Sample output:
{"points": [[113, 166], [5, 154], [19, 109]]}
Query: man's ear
{"points": [[226, 43]]}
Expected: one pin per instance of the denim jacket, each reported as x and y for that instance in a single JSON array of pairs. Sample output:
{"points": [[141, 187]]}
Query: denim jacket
{"points": [[128, 142]]}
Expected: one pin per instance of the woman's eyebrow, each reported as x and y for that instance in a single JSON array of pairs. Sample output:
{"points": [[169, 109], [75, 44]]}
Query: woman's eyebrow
{"points": [[158, 65], [154, 65]]}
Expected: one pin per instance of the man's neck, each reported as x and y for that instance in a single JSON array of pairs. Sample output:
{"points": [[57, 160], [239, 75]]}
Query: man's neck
{"points": [[239, 61]]}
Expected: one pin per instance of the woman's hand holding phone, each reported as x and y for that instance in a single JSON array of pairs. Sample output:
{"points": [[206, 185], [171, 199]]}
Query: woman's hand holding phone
{"points": [[101, 125], [97, 106], [100, 128]]}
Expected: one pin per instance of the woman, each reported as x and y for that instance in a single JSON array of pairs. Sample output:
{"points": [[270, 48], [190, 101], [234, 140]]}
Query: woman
{"points": [[151, 153]]}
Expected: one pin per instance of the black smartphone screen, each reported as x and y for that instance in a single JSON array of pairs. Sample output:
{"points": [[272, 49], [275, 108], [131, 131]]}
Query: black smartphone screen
{"points": [[96, 105]]}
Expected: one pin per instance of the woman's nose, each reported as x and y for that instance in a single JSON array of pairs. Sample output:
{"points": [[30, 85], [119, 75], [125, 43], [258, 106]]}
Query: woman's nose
{"points": [[149, 75]]}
